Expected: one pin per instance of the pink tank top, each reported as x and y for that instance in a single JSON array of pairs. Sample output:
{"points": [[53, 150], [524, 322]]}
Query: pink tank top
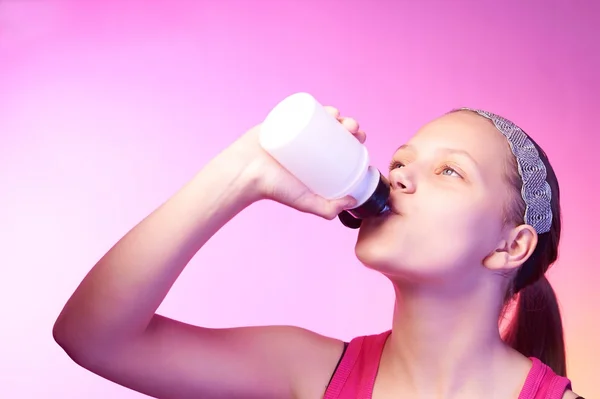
{"points": [[355, 376]]}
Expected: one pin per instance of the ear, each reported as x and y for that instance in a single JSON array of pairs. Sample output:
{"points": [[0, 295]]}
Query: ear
{"points": [[513, 250]]}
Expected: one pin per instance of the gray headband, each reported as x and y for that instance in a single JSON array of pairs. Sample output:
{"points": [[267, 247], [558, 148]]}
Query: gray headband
{"points": [[535, 191]]}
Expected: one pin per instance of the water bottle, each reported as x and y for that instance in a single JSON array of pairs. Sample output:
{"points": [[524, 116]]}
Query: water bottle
{"points": [[313, 146]]}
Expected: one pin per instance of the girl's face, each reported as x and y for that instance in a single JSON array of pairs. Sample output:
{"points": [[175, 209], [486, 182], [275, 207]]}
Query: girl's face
{"points": [[449, 191]]}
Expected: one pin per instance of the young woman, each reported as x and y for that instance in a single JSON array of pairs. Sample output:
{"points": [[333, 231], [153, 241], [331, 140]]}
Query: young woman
{"points": [[474, 224]]}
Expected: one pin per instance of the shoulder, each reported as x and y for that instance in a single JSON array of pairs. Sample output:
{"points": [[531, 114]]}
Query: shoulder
{"points": [[313, 358], [335, 360]]}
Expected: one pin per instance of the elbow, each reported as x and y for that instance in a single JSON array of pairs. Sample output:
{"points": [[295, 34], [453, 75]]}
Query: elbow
{"points": [[60, 331], [73, 341], [61, 335], [64, 336], [84, 343]]}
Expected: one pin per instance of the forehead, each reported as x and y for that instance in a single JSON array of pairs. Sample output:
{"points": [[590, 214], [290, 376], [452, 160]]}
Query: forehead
{"points": [[465, 131]]}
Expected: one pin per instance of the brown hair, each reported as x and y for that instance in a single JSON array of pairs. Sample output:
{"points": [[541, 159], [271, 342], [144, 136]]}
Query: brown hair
{"points": [[535, 329]]}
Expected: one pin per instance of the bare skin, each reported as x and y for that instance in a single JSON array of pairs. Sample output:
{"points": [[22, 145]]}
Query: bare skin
{"points": [[110, 326]]}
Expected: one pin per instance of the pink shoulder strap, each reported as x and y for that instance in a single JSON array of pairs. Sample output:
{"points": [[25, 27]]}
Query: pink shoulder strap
{"points": [[543, 383], [355, 375]]}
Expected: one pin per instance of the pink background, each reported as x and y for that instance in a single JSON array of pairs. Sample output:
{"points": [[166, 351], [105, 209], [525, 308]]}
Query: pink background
{"points": [[107, 108]]}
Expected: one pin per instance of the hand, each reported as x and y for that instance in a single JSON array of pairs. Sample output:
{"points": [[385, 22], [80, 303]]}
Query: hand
{"points": [[274, 182]]}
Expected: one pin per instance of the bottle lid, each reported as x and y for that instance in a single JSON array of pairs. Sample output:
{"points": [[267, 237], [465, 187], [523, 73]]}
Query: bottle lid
{"points": [[375, 205]]}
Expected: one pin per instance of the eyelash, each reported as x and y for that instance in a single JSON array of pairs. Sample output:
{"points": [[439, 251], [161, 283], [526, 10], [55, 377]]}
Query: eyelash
{"points": [[395, 164]]}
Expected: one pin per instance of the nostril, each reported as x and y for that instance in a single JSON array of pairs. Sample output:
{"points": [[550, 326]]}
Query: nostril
{"points": [[398, 179], [397, 185]]}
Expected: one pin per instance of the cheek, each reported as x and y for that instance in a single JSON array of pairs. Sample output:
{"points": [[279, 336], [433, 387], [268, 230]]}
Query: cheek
{"points": [[451, 215], [466, 233], [472, 221]]}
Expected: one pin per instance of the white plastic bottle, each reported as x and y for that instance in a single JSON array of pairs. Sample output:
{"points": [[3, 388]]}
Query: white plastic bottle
{"points": [[310, 143]]}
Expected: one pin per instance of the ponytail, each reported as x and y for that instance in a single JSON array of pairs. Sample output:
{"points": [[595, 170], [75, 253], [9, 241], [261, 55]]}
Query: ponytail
{"points": [[536, 328]]}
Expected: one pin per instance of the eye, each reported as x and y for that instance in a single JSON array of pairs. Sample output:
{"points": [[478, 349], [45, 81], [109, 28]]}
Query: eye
{"points": [[395, 164], [445, 169], [448, 170]]}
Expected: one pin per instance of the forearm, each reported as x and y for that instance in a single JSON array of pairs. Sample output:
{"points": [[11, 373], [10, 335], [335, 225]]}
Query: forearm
{"points": [[120, 295]]}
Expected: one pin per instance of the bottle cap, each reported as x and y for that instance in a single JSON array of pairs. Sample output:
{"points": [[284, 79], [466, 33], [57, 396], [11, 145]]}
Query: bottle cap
{"points": [[375, 205]]}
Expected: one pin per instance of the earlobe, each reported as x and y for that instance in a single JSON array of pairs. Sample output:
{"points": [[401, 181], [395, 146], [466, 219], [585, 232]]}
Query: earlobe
{"points": [[498, 258], [513, 250]]}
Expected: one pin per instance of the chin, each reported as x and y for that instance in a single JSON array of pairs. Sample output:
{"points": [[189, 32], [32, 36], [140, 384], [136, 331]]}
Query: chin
{"points": [[379, 250], [385, 246], [381, 234]]}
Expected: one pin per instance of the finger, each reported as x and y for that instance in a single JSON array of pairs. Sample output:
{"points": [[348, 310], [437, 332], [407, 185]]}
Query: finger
{"points": [[337, 206], [351, 124], [332, 111], [361, 136], [327, 209]]}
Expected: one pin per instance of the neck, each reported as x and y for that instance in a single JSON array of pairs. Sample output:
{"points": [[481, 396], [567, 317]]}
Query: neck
{"points": [[444, 338]]}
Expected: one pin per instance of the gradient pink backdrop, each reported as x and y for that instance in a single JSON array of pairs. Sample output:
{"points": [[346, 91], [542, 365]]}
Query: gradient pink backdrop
{"points": [[107, 108]]}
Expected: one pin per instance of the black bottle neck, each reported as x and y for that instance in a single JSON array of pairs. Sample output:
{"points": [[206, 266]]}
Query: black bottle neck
{"points": [[375, 205]]}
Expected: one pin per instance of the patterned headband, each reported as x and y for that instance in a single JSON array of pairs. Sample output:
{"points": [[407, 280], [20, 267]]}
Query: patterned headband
{"points": [[535, 191]]}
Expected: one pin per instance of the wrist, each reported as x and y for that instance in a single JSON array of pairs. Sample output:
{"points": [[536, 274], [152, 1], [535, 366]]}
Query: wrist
{"points": [[239, 176]]}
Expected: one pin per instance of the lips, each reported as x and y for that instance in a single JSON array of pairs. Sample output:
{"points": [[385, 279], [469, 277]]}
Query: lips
{"points": [[393, 208], [389, 212]]}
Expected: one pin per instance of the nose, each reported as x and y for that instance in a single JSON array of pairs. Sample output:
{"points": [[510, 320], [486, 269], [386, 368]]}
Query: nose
{"points": [[400, 179]]}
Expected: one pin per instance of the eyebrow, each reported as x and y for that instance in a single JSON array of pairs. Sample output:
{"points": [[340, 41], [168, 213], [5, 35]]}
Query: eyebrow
{"points": [[445, 150]]}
